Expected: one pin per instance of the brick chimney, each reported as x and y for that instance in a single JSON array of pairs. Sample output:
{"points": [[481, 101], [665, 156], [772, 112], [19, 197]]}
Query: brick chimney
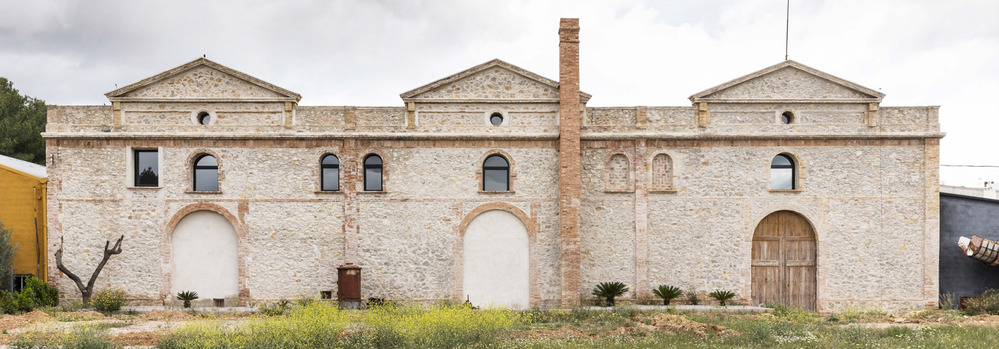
{"points": [[570, 121]]}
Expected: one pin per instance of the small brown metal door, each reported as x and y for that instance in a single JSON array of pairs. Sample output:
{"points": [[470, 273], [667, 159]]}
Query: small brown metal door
{"points": [[783, 268]]}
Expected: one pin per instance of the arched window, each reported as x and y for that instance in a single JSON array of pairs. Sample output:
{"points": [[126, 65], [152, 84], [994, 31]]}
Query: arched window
{"points": [[782, 173], [662, 172], [495, 174], [330, 179], [206, 173], [373, 173]]}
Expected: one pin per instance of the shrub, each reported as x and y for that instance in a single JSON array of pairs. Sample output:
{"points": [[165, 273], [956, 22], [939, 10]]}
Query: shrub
{"points": [[83, 337], [87, 338], [610, 290], [947, 301], [692, 298], [667, 293], [108, 300], [44, 294], [795, 314], [304, 300], [321, 325], [987, 303], [36, 294], [276, 308], [187, 297], [16, 303], [722, 296]]}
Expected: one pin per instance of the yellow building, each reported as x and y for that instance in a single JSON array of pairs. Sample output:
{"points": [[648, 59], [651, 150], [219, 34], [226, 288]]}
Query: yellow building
{"points": [[22, 211]]}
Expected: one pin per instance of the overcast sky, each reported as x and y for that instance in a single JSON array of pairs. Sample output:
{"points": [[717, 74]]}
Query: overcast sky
{"points": [[633, 52]]}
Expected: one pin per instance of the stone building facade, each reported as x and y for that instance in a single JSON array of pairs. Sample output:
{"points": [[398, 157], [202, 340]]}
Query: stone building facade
{"points": [[787, 184]]}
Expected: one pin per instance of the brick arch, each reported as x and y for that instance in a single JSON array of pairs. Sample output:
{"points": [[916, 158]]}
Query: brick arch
{"points": [[629, 182], [532, 231], [501, 206], [799, 167], [360, 169], [166, 247], [509, 159], [318, 168], [189, 168]]}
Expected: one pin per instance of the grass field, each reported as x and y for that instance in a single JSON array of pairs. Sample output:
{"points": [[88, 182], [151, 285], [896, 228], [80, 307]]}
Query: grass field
{"points": [[319, 325]]}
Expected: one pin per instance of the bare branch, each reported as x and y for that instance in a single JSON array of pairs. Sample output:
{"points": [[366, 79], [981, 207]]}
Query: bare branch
{"points": [[86, 291], [107, 255], [64, 270]]}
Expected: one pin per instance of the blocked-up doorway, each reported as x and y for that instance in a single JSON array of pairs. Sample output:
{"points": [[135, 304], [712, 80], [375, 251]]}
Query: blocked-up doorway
{"points": [[205, 256], [496, 265]]}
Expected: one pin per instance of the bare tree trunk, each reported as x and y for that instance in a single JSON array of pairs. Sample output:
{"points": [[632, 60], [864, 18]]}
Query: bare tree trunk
{"points": [[87, 291]]}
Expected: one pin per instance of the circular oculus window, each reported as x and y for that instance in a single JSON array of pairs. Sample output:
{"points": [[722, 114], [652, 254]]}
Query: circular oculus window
{"points": [[496, 119], [787, 117], [204, 118]]}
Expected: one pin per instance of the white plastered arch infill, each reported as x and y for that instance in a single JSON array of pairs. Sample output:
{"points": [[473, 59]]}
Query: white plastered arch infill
{"points": [[496, 269], [205, 256]]}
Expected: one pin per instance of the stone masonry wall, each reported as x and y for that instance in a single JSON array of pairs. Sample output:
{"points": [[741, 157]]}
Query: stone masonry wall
{"points": [[864, 198], [294, 236]]}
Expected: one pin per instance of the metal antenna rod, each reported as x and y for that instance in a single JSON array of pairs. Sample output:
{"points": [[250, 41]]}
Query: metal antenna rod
{"points": [[787, 27]]}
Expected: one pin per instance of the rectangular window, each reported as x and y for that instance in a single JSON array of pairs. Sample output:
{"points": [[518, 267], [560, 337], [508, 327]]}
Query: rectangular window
{"points": [[20, 281], [147, 168]]}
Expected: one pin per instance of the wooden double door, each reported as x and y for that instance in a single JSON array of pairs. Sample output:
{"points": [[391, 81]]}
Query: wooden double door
{"points": [[784, 261]]}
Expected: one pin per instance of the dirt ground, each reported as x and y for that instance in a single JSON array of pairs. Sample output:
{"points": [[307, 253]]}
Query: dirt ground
{"points": [[129, 330]]}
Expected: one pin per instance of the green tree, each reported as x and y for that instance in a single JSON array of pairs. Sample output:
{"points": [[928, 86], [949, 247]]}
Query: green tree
{"points": [[7, 250], [22, 120]]}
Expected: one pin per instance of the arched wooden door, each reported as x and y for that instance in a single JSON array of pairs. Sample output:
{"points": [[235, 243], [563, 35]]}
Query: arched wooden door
{"points": [[784, 260]]}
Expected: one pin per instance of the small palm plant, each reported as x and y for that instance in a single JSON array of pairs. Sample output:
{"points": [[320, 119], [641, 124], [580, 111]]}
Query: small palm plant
{"points": [[722, 296], [187, 297], [609, 290], [667, 293]]}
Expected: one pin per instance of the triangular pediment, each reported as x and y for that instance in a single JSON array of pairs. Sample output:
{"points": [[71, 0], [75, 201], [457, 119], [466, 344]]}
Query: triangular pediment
{"points": [[202, 79], [789, 81], [493, 80]]}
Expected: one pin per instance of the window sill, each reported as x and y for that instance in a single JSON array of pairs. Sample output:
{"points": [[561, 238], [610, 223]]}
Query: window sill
{"points": [[143, 187], [372, 192], [663, 191], [328, 192], [203, 192], [493, 192], [792, 191]]}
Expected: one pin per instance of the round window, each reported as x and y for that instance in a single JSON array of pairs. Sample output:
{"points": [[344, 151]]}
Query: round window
{"points": [[496, 119], [204, 118], [787, 117]]}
